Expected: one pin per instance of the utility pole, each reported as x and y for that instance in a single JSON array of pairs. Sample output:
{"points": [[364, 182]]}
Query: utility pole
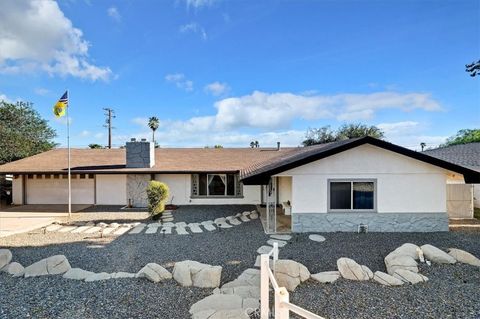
{"points": [[109, 113]]}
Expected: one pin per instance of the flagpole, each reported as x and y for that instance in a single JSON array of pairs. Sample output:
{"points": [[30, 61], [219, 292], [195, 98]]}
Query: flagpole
{"points": [[69, 155]]}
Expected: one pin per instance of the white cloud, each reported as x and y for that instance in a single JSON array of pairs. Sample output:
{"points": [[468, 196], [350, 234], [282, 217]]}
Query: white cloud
{"points": [[36, 35], [180, 81], [399, 127], [4, 98], [85, 133], [41, 91], [410, 134], [199, 3], [217, 88], [114, 14], [193, 28]]}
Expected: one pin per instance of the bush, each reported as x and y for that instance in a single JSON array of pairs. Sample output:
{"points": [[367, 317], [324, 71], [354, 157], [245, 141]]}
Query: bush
{"points": [[157, 195]]}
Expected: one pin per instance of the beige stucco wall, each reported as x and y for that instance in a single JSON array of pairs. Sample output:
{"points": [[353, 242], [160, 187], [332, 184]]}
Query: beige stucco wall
{"points": [[55, 191], [180, 191], [17, 190], [111, 189], [284, 189], [404, 185]]}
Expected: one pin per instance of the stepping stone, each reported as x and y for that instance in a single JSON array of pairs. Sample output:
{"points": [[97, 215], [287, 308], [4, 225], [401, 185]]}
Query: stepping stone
{"points": [[181, 231], [80, 229], [317, 238], [209, 227], [224, 225], [207, 222], [281, 237], [92, 230], [220, 220], [238, 215], [66, 229], [235, 222], [151, 230], [246, 213], [169, 224], [121, 230], [168, 230], [244, 218], [195, 228], [258, 260], [181, 224], [280, 243], [264, 250], [170, 219], [253, 216], [154, 225], [53, 227], [138, 229], [108, 230]]}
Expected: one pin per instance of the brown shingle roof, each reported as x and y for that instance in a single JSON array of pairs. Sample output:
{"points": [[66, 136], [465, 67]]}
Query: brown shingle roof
{"points": [[167, 160]]}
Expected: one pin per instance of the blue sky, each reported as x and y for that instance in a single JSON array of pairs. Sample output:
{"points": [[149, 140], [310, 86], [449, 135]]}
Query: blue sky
{"points": [[228, 72]]}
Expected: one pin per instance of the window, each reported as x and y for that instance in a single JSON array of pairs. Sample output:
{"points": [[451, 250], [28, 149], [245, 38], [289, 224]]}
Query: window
{"points": [[216, 185], [352, 195]]}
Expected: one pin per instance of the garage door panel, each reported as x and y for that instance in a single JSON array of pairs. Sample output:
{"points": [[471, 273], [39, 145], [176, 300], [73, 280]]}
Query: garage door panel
{"points": [[55, 191]]}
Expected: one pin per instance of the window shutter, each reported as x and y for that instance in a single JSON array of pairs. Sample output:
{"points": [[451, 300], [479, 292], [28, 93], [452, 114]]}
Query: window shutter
{"points": [[194, 184]]}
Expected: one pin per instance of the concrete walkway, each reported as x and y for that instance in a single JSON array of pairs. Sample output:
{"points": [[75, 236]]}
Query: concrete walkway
{"points": [[22, 224]]}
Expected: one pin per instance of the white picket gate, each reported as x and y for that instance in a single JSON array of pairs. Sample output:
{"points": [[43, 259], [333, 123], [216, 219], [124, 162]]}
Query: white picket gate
{"points": [[282, 305]]}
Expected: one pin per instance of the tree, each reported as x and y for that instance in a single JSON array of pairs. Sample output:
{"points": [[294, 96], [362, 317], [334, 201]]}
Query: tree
{"points": [[157, 195], [153, 124], [319, 136], [326, 135], [463, 137], [355, 130], [95, 146], [23, 132], [473, 68], [422, 145], [254, 144]]}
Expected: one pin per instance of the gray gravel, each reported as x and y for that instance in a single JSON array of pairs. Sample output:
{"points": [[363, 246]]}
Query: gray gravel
{"points": [[452, 292]]}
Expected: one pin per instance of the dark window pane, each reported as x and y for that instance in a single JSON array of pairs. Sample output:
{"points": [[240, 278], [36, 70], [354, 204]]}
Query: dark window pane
{"points": [[231, 185], [202, 184], [340, 195], [363, 193], [216, 185]]}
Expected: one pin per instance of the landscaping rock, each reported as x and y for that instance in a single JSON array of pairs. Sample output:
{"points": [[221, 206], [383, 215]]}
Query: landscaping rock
{"points": [[281, 237], [317, 238], [77, 274], [386, 279], [281, 243], [349, 269], [122, 274], [290, 273], [409, 276], [242, 291], [15, 269], [154, 272], [54, 265], [367, 271], [223, 306], [464, 257], [98, 277], [253, 215], [436, 255], [5, 257], [264, 250], [221, 314], [394, 262], [406, 249], [193, 273], [326, 277], [249, 277]]}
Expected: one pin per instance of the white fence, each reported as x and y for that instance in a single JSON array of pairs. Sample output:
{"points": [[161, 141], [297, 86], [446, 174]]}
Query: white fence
{"points": [[282, 305]]}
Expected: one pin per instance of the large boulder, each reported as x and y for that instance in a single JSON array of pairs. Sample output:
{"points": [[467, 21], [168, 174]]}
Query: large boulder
{"points": [[290, 274], [5, 257], [349, 269], [154, 272], [386, 279], [436, 255], [249, 277], [193, 273], [464, 257], [77, 274], [394, 262], [223, 306], [15, 269], [407, 249], [54, 265], [409, 276], [242, 291], [326, 277]]}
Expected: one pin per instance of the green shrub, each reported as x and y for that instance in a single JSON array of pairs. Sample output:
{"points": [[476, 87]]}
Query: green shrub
{"points": [[157, 195]]}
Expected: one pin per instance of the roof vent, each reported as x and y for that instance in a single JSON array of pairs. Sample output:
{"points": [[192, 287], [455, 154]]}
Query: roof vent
{"points": [[133, 139], [144, 139]]}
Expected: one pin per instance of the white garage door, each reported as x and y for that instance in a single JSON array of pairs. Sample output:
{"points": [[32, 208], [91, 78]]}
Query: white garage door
{"points": [[111, 189], [41, 190]]}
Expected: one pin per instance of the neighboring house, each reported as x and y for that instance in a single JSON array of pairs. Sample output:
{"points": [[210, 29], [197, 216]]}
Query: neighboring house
{"points": [[330, 187], [467, 155]]}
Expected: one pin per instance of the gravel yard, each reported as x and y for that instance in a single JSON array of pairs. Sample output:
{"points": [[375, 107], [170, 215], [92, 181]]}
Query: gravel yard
{"points": [[452, 292]]}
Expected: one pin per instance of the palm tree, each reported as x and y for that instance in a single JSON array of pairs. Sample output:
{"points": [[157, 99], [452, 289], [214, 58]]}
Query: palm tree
{"points": [[422, 145], [153, 124]]}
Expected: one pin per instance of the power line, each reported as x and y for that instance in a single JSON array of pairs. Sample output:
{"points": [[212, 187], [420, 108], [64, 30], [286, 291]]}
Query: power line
{"points": [[109, 113]]}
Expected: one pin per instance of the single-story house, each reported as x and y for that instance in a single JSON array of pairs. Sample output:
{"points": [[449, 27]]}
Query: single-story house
{"points": [[329, 187], [467, 155]]}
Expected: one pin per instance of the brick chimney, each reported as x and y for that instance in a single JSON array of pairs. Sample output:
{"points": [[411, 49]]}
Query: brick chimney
{"points": [[140, 154]]}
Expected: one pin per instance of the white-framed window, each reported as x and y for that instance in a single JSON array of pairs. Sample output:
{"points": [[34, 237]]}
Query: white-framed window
{"points": [[216, 185], [352, 195]]}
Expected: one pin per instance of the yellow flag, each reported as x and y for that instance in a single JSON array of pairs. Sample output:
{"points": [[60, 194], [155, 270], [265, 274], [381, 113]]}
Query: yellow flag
{"points": [[61, 106]]}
